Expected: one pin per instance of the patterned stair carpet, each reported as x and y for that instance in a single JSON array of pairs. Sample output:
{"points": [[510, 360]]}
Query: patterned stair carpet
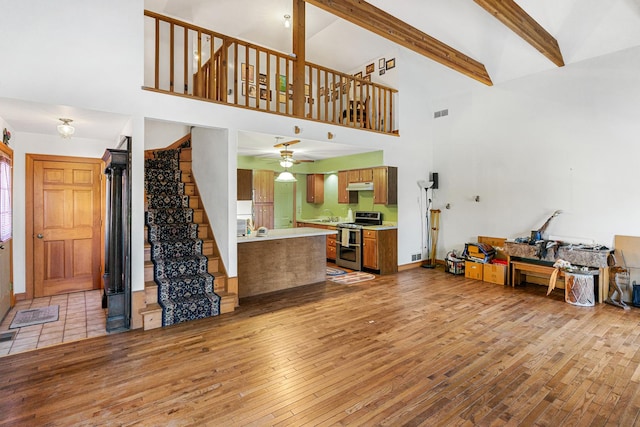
{"points": [[185, 288]]}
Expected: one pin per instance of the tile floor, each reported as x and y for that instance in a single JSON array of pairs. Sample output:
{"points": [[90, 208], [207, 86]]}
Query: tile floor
{"points": [[81, 316]]}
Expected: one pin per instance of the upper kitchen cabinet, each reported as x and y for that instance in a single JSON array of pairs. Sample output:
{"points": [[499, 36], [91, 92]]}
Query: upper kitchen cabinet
{"points": [[245, 184], [263, 183], [315, 188], [361, 175], [345, 196], [385, 185]]}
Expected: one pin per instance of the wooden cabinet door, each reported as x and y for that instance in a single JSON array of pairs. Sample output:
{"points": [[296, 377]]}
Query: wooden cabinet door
{"points": [[366, 175], [245, 184], [263, 213], [67, 210], [263, 186], [345, 196], [315, 188], [385, 185], [370, 249]]}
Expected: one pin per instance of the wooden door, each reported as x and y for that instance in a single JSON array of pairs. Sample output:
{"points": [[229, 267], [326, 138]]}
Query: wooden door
{"points": [[66, 233]]}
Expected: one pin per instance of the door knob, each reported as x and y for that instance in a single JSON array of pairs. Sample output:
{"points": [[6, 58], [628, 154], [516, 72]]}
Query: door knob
{"points": [[40, 236], [1, 246]]}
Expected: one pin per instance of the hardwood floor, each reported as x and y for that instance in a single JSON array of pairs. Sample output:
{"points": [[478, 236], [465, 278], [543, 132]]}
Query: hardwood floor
{"points": [[420, 347]]}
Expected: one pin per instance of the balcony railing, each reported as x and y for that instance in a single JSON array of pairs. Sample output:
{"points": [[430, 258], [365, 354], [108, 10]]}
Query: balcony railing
{"points": [[185, 59]]}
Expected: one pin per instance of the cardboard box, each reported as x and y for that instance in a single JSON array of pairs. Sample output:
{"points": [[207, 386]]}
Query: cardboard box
{"points": [[473, 270], [495, 273]]}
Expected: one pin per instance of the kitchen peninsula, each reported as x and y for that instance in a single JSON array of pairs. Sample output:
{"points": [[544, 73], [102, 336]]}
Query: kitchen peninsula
{"points": [[284, 258]]}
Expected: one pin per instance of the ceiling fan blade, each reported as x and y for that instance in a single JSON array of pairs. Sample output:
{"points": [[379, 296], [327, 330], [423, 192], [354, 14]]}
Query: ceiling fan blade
{"points": [[303, 161], [286, 144]]}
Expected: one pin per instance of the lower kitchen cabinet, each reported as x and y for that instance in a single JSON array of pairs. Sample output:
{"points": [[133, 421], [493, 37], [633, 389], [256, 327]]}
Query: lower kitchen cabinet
{"points": [[263, 213], [380, 250]]}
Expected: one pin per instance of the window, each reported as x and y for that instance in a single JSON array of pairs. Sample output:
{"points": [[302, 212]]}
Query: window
{"points": [[5, 198]]}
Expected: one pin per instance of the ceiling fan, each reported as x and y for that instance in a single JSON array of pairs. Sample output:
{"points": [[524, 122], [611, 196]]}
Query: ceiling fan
{"points": [[286, 155]]}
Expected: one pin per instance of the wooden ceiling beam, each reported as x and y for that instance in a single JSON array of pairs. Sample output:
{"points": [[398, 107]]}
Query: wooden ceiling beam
{"points": [[376, 20], [519, 21]]}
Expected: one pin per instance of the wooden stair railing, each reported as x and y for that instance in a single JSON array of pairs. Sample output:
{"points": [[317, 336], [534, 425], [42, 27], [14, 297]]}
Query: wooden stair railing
{"points": [[152, 312], [193, 61]]}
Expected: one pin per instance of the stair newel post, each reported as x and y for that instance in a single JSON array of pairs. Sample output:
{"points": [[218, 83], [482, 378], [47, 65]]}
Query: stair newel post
{"points": [[116, 287], [299, 51]]}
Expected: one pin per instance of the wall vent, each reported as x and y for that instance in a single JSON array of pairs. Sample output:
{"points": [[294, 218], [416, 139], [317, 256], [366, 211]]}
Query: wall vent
{"points": [[441, 113], [416, 257]]}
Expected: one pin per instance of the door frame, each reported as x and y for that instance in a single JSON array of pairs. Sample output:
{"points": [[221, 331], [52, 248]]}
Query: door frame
{"points": [[29, 198]]}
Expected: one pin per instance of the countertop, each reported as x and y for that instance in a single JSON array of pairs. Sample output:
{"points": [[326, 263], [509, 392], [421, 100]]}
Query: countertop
{"points": [[384, 226], [287, 233]]}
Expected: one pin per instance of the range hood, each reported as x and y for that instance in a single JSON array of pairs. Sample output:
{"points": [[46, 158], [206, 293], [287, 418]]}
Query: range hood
{"points": [[360, 186]]}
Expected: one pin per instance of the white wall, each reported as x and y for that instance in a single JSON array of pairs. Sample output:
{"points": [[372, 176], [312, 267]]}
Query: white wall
{"points": [[563, 139], [214, 167]]}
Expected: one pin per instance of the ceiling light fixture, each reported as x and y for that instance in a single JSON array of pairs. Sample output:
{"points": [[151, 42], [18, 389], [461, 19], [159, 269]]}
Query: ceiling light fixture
{"points": [[286, 163], [65, 129], [286, 176], [287, 21]]}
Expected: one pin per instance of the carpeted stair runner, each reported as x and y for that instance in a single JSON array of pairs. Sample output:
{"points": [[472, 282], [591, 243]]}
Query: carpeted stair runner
{"points": [[185, 288]]}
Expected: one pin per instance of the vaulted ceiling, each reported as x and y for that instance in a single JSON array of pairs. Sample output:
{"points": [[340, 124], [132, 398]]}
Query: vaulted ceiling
{"points": [[507, 38]]}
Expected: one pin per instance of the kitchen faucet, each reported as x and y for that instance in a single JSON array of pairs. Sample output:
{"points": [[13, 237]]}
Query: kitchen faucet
{"points": [[331, 216]]}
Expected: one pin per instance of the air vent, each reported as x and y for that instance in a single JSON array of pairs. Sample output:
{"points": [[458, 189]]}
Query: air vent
{"points": [[415, 257], [441, 113]]}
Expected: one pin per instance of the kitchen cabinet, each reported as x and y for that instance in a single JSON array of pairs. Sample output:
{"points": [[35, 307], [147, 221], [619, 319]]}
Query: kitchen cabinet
{"points": [[360, 175], [385, 185], [263, 185], [263, 189], [380, 250], [263, 215], [245, 184], [315, 188], [345, 196]]}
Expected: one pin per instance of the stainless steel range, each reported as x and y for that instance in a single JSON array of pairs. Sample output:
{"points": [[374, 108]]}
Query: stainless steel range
{"points": [[349, 239]]}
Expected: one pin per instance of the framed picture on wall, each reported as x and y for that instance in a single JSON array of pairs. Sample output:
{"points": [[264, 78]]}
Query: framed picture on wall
{"points": [[282, 83], [370, 68], [358, 75], [381, 63], [382, 71], [263, 94], [262, 79], [367, 77], [247, 70], [390, 63]]}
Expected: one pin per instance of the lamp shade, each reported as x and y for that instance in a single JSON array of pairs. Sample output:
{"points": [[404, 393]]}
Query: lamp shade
{"points": [[286, 176]]}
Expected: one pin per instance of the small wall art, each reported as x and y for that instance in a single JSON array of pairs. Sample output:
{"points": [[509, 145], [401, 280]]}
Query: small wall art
{"points": [[390, 63], [370, 68], [250, 69]]}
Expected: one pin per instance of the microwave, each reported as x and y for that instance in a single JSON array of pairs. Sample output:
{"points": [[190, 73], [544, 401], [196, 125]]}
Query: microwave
{"points": [[243, 225]]}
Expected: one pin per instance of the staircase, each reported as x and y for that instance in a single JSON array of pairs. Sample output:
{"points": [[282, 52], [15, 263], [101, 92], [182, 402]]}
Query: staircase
{"points": [[184, 278]]}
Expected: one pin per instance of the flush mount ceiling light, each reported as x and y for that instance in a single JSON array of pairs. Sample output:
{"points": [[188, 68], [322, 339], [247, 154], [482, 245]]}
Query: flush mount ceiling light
{"points": [[65, 129], [287, 21]]}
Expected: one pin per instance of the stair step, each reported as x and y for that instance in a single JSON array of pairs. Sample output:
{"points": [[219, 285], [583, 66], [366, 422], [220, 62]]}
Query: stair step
{"points": [[187, 176], [189, 189], [194, 202], [185, 154], [185, 165], [212, 267], [203, 231], [207, 248], [220, 282], [227, 302], [151, 316], [151, 292]]}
